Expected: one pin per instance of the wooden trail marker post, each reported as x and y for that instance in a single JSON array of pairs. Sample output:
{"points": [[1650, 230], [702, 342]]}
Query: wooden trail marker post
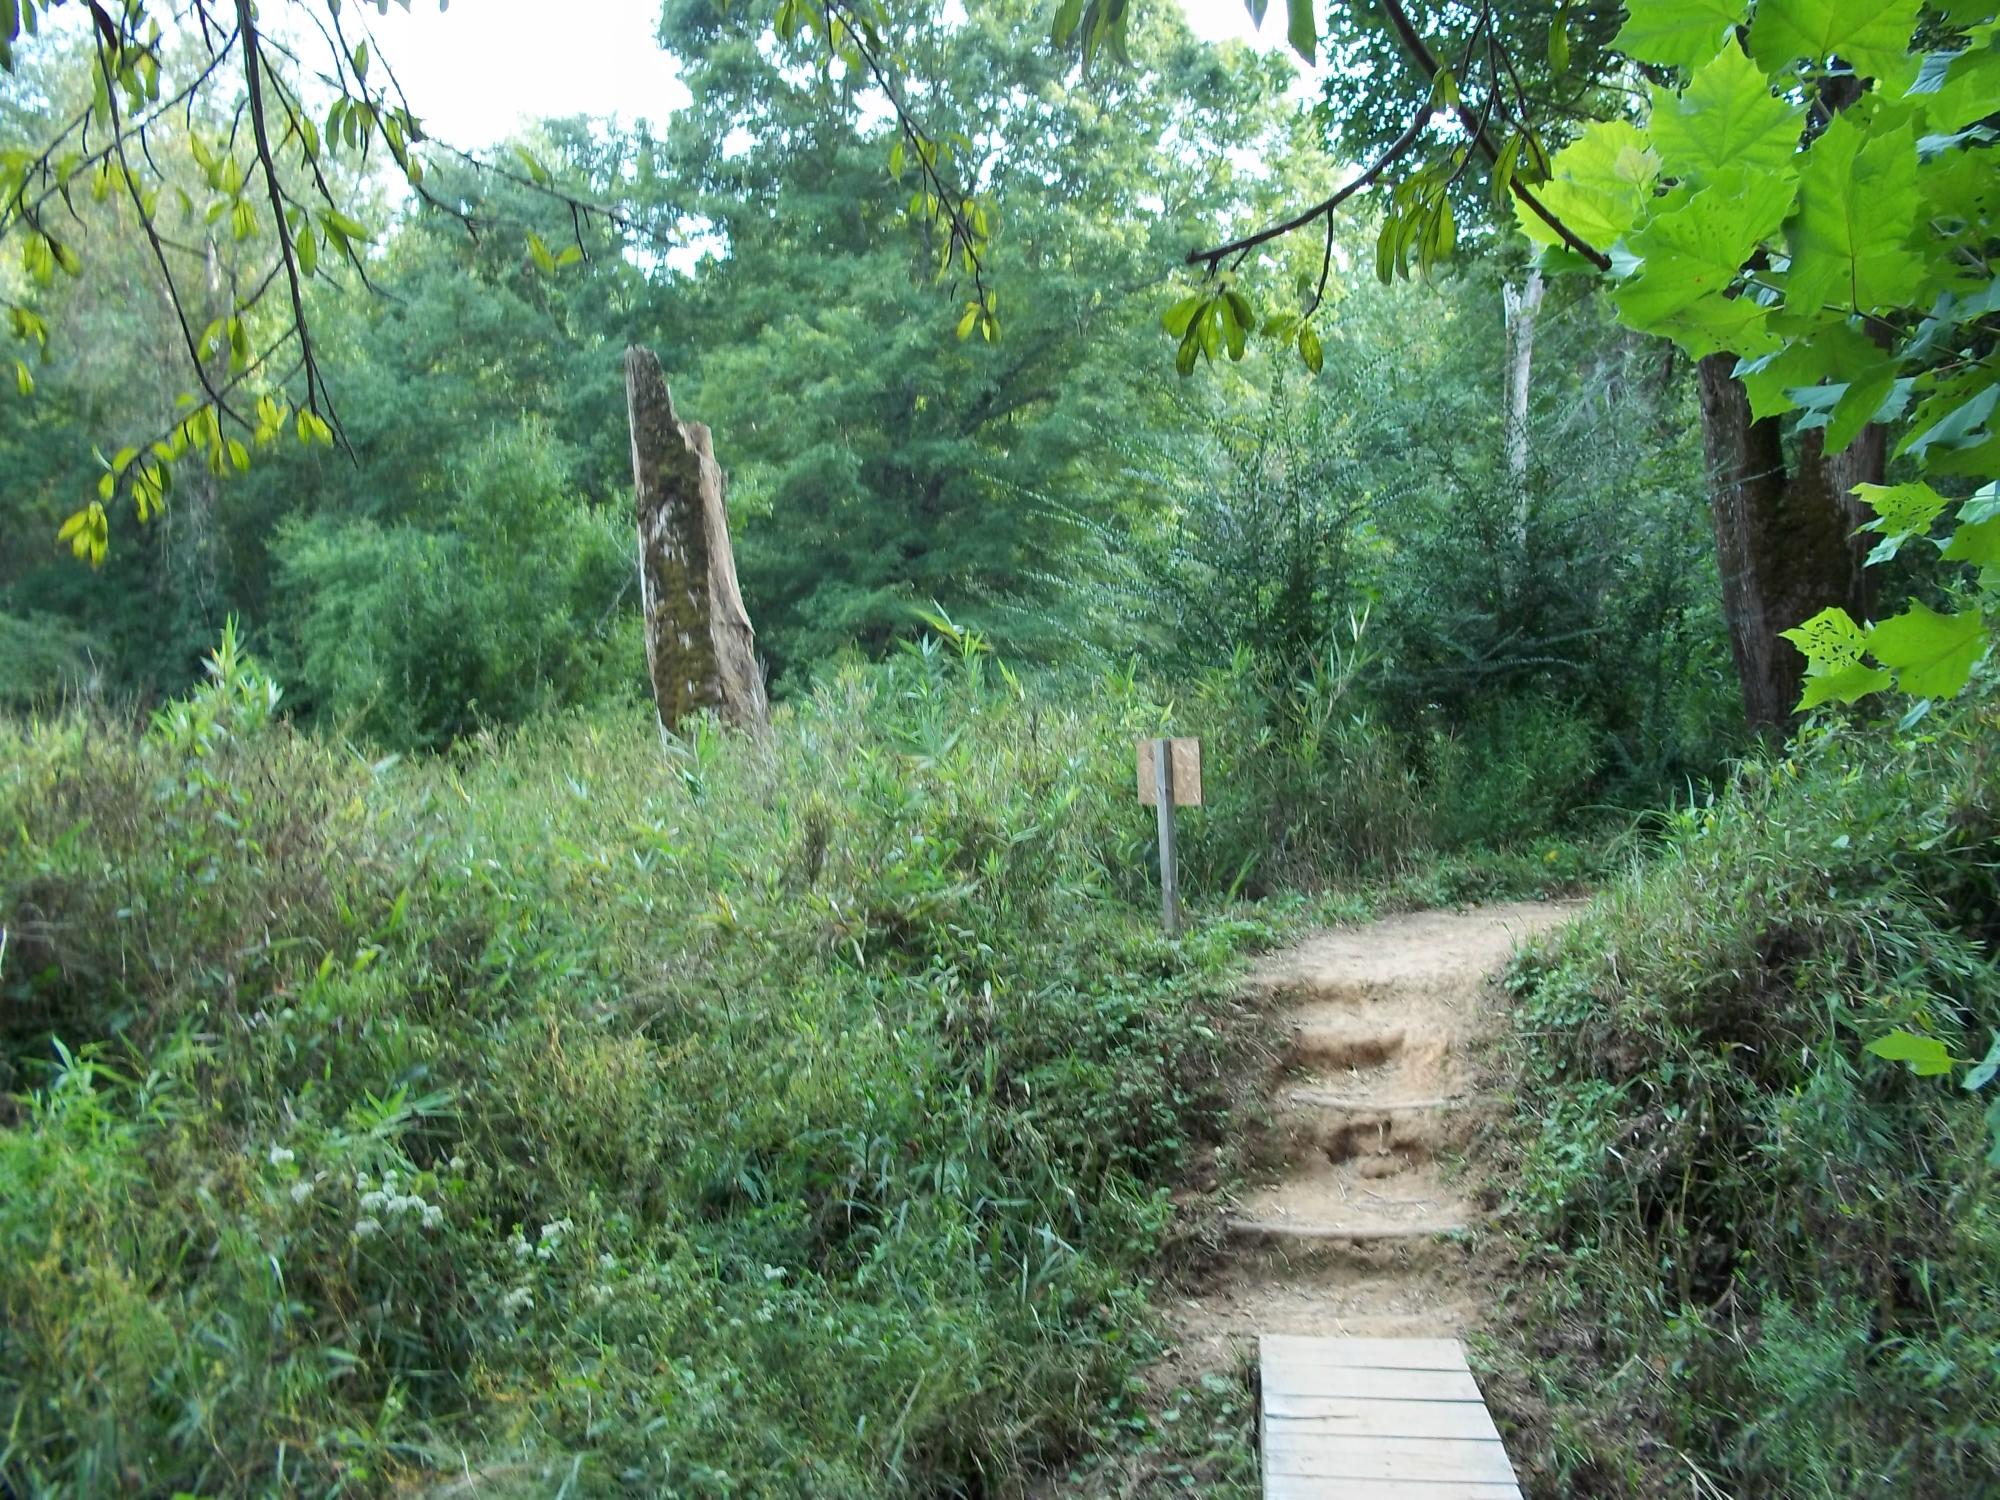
{"points": [[1169, 777]]}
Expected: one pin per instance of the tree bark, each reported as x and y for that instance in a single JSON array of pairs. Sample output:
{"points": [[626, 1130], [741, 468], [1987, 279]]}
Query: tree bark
{"points": [[1784, 535], [1521, 304], [701, 653]]}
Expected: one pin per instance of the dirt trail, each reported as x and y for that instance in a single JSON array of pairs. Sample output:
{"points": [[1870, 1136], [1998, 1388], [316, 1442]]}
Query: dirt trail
{"points": [[1358, 1236]]}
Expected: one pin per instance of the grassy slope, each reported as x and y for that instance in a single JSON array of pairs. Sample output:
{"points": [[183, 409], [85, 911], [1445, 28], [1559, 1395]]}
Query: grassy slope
{"points": [[1759, 1254], [734, 1122]]}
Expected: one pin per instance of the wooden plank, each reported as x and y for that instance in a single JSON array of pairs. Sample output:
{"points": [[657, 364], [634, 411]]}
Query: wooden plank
{"points": [[1387, 1458], [1287, 1352], [1373, 1418], [1306, 1390], [1303, 1487], [1184, 764]]}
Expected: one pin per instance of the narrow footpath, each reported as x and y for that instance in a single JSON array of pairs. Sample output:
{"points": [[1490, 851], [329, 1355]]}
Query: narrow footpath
{"points": [[1360, 1236]]}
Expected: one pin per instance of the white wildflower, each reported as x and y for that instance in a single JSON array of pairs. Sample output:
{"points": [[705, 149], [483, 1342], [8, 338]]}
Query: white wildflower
{"points": [[280, 1155], [366, 1226], [302, 1190], [433, 1216], [607, 1262], [518, 1299], [373, 1200], [458, 1164]]}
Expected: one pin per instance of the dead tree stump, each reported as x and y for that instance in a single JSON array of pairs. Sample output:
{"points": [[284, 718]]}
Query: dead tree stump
{"points": [[700, 650]]}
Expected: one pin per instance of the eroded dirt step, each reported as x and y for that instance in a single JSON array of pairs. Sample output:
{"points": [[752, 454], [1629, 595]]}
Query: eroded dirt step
{"points": [[1359, 1198], [1364, 1234], [1376, 1141]]}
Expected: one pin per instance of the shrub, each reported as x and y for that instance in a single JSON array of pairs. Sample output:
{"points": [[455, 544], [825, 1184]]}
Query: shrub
{"points": [[1518, 768], [1758, 1246], [748, 1120], [1307, 788], [502, 607]]}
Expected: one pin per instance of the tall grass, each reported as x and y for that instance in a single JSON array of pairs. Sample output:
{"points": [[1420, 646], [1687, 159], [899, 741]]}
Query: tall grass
{"points": [[1763, 1257], [565, 1115]]}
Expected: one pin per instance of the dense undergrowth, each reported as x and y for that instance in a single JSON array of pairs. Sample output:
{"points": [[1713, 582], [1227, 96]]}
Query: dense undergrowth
{"points": [[1762, 1260], [774, 1120]]}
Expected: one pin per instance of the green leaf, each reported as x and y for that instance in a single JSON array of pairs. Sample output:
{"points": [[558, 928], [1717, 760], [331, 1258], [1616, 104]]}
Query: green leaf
{"points": [[1176, 318], [1985, 1070], [536, 171], [1690, 257], [539, 253], [1850, 239], [361, 60], [23, 381], [1559, 42], [1901, 509], [1310, 349], [967, 320], [1502, 174], [1926, 1055], [1846, 684], [1728, 117], [1303, 30], [1931, 654], [352, 229], [1599, 185], [1830, 640], [1678, 33], [1865, 401], [1963, 89], [1237, 322], [1871, 36], [1952, 419], [1975, 542]]}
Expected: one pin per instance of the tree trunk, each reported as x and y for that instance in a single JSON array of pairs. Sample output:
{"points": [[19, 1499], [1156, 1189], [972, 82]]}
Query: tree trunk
{"points": [[1784, 536], [1521, 305], [700, 650]]}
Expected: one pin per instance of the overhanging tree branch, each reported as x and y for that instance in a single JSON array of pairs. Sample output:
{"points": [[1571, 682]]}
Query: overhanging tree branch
{"points": [[1394, 152], [253, 79]]}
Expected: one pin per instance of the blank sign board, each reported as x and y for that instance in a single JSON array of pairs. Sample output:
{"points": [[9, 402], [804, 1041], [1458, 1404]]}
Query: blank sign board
{"points": [[1186, 768]]}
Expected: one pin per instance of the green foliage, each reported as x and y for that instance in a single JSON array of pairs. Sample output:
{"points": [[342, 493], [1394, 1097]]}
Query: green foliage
{"points": [[1384, 489], [1306, 786], [1728, 1170], [1844, 264], [877, 461], [502, 606], [729, 1122], [42, 660], [1517, 768]]}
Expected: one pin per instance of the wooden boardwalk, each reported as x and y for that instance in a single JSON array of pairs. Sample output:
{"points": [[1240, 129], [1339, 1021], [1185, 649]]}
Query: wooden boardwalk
{"points": [[1377, 1419]]}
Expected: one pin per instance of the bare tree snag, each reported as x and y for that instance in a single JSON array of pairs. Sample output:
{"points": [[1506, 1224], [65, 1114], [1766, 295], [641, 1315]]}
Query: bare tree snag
{"points": [[700, 650], [1520, 304], [1784, 535]]}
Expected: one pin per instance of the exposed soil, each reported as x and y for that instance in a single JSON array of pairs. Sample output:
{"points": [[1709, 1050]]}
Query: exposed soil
{"points": [[1363, 1231]]}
